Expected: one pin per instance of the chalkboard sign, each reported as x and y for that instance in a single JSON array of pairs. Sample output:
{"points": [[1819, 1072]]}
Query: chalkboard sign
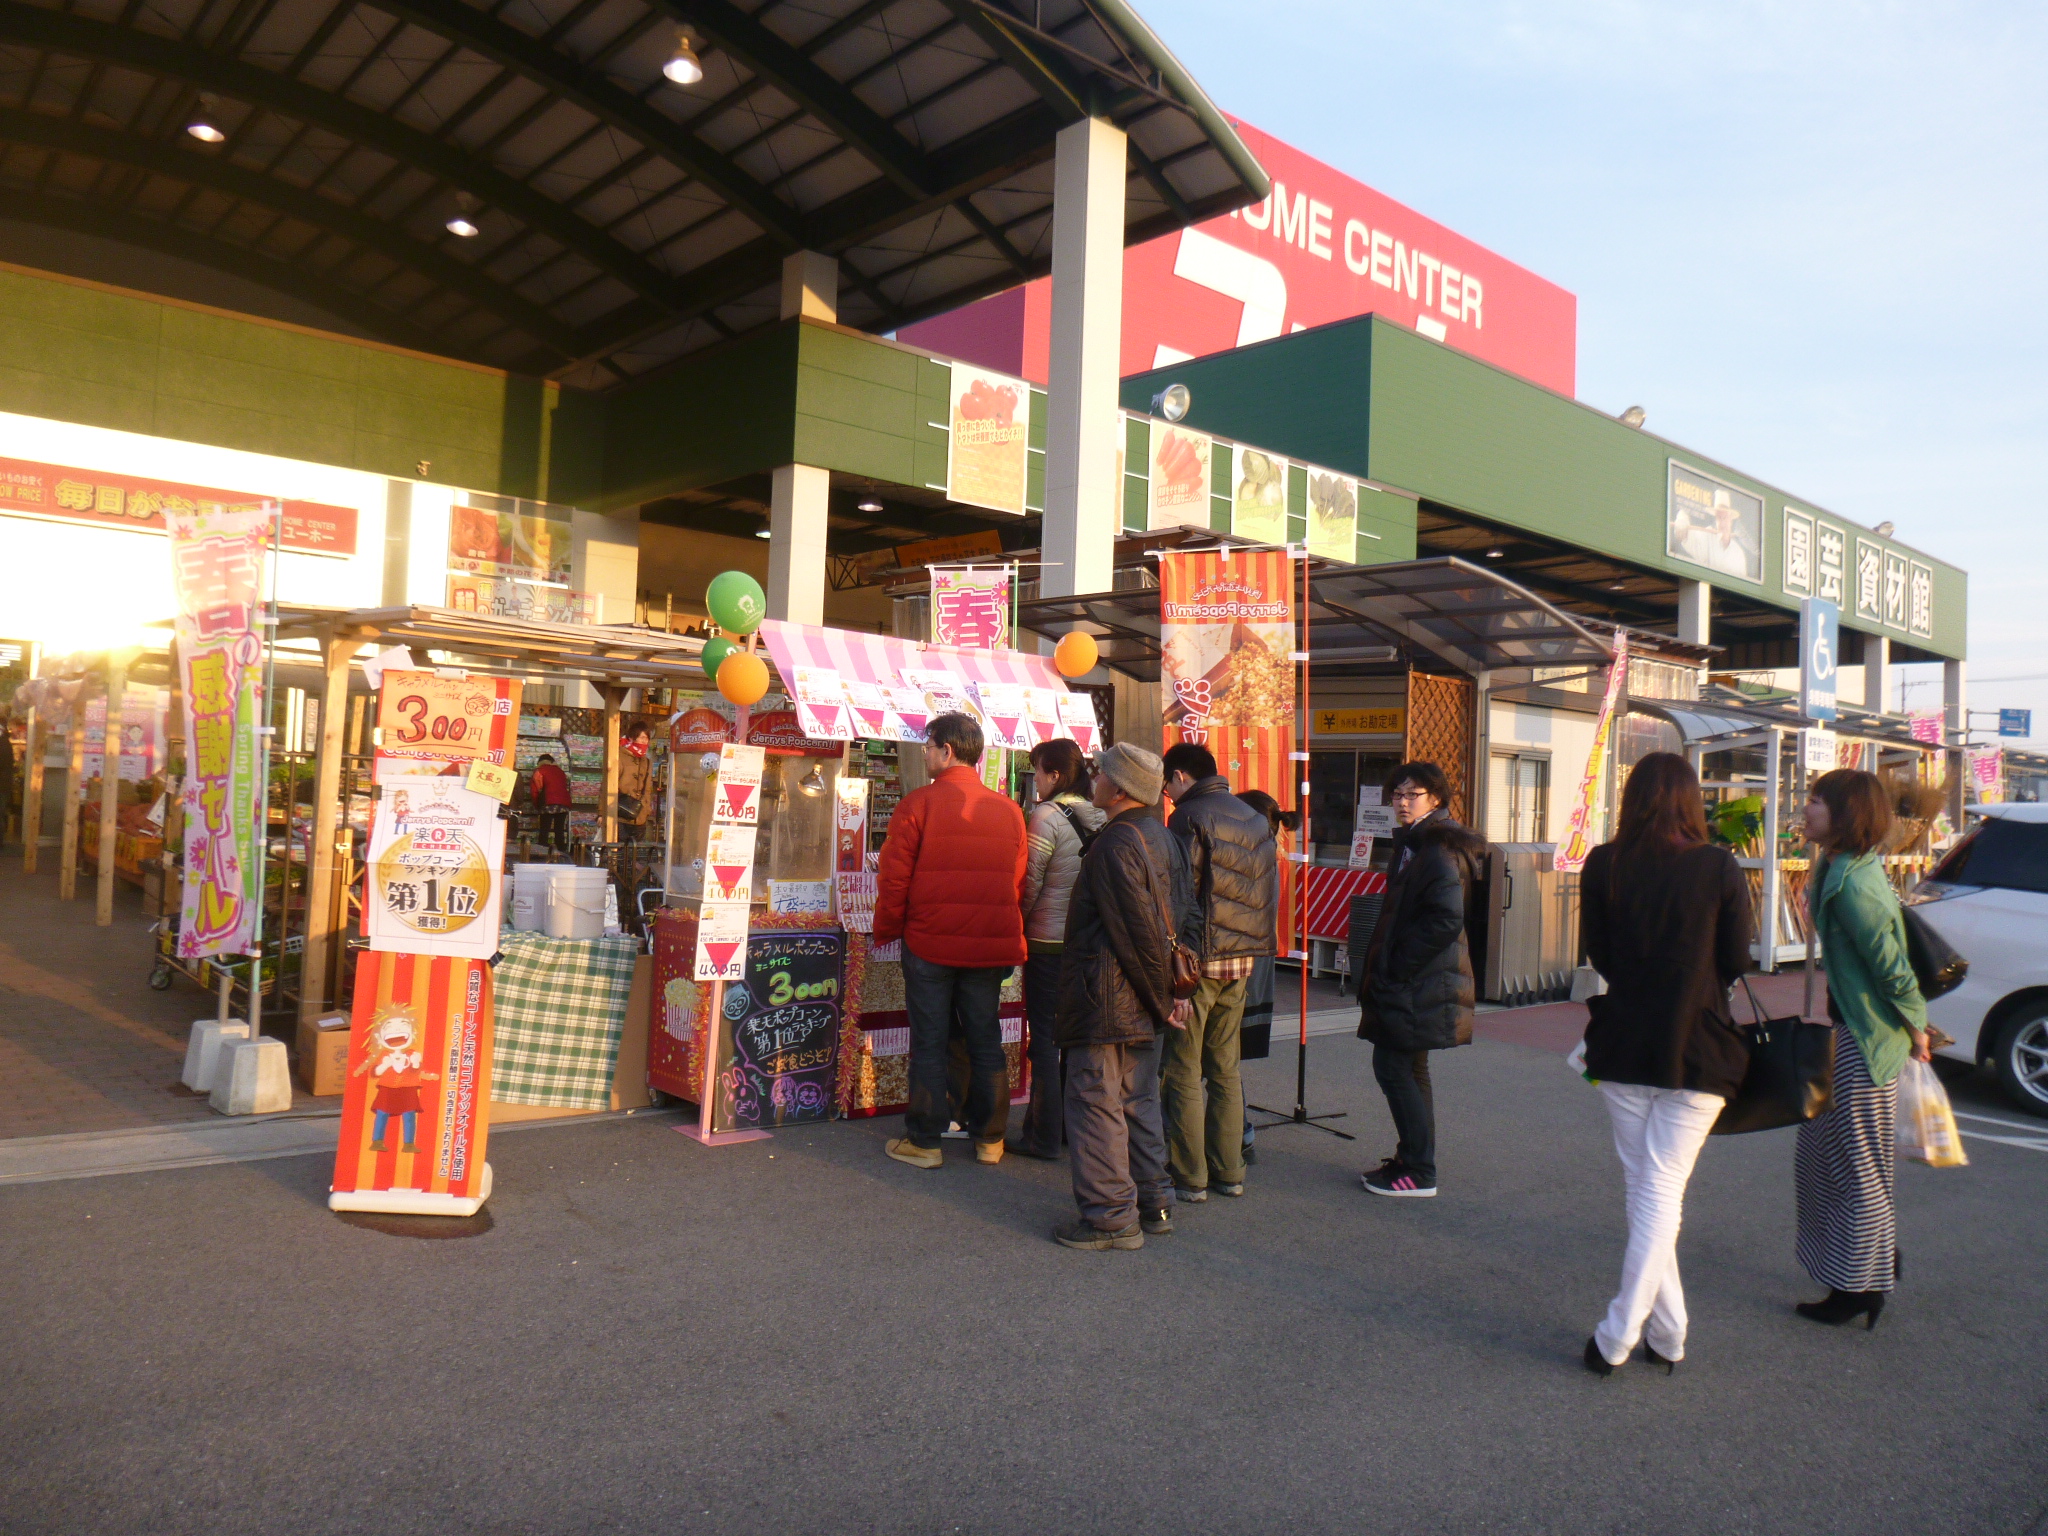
{"points": [[779, 1045]]}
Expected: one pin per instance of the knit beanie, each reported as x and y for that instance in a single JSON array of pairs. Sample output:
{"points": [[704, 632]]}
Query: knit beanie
{"points": [[1133, 770]]}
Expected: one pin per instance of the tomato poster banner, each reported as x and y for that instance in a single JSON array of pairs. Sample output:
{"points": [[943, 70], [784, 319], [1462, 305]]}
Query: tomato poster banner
{"points": [[217, 567], [414, 1107], [436, 869], [988, 448], [428, 723], [1179, 472], [971, 606], [134, 504], [1578, 837], [1227, 646], [737, 796]]}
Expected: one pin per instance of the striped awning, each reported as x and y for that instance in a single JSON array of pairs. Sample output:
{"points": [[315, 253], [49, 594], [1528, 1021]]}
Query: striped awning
{"points": [[864, 658]]}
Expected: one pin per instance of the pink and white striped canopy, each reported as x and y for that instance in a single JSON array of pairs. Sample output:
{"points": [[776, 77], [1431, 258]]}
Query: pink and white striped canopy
{"points": [[865, 658]]}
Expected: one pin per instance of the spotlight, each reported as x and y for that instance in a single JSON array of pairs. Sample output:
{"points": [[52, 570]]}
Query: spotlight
{"points": [[201, 125], [462, 224], [1634, 416], [1173, 402], [1885, 530], [683, 66], [812, 783]]}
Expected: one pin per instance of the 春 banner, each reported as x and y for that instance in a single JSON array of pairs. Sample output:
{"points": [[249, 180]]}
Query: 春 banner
{"points": [[217, 565], [1227, 646]]}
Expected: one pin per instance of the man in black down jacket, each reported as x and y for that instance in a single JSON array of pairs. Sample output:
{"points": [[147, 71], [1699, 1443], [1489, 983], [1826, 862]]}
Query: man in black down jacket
{"points": [[1236, 870], [1116, 995], [1417, 995]]}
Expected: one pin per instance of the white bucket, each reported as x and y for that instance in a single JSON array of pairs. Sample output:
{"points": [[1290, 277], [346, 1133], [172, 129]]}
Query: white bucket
{"points": [[575, 902], [530, 896]]}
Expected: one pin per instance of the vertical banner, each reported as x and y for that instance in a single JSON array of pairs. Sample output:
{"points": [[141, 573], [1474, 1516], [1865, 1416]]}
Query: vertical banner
{"points": [[217, 568], [1987, 772], [413, 1112], [1179, 490], [971, 606], [140, 737], [1227, 645], [1333, 517], [988, 447], [1258, 500], [1578, 839], [435, 877]]}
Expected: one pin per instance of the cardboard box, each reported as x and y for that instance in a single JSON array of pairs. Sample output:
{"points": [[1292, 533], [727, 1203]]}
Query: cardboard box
{"points": [[323, 1055]]}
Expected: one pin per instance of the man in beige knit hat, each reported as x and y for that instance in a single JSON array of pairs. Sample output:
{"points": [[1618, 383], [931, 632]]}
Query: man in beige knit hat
{"points": [[1131, 899]]}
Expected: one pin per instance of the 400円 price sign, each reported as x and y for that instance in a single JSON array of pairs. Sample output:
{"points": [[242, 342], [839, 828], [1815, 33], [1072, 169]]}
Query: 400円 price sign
{"points": [[437, 859]]}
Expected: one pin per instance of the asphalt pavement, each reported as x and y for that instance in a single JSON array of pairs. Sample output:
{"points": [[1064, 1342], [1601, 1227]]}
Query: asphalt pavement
{"points": [[798, 1335]]}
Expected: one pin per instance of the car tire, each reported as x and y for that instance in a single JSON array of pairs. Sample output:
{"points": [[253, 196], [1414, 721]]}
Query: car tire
{"points": [[2021, 1060]]}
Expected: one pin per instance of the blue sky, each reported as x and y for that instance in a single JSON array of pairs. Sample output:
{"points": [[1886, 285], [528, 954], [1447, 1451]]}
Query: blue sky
{"points": [[1811, 240]]}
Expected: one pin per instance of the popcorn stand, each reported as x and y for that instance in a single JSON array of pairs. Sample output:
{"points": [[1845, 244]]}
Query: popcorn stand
{"points": [[767, 980]]}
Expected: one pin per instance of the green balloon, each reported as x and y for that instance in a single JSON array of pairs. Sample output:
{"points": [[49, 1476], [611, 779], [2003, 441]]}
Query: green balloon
{"points": [[716, 650], [737, 603]]}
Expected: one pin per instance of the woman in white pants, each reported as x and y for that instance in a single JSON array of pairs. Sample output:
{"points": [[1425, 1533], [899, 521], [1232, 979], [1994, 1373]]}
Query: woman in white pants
{"points": [[1666, 920]]}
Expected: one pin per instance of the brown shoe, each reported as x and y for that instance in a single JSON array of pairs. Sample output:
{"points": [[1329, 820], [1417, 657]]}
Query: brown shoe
{"points": [[988, 1151], [904, 1150]]}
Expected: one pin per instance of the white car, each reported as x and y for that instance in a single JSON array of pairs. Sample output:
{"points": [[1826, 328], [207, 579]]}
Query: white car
{"points": [[1989, 898]]}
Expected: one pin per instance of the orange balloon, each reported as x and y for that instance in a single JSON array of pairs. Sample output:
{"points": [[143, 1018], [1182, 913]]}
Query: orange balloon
{"points": [[1075, 654], [742, 678]]}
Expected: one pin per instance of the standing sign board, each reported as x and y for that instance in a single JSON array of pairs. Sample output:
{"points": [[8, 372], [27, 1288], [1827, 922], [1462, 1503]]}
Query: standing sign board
{"points": [[1819, 643], [435, 871], [779, 1044], [217, 569]]}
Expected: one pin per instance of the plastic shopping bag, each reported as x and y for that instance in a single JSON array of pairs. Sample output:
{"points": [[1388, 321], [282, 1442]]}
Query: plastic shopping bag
{"points": [[1927, 1126]]}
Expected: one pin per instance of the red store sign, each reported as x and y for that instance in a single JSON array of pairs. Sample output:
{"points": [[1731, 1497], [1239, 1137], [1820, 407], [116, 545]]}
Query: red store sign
{"points": [[98, 498]]}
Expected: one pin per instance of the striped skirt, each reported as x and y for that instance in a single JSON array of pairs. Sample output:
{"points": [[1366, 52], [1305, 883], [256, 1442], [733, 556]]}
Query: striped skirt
{"points": [[1848, 1231]]}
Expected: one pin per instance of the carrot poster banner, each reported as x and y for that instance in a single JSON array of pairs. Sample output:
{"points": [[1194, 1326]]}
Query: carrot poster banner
{"points": [[217, 567], [1227, 646], [1579, 834], [988, 448], [414, 1108], [1179, 475]]}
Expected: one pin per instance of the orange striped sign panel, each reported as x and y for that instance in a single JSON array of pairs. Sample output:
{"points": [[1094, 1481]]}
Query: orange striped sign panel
{"points": [[1227, 673], [414, 1109]]}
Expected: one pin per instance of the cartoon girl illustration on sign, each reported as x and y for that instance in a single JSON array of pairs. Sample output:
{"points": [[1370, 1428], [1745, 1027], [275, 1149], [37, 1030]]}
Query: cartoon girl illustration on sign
{"points": [[394, 1066]]}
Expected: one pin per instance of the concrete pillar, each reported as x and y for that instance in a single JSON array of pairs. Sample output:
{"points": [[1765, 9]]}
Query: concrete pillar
{"points": [[604, 560], [810, 286], [1955, 708], [1695, 612], [799, 498], [1479, 799], [1083, 501], [1877, 671], [398, 546]]}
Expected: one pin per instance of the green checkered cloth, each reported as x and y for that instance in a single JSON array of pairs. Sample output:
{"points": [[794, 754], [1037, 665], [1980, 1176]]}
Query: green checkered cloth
{"points": [[560, 1009]]}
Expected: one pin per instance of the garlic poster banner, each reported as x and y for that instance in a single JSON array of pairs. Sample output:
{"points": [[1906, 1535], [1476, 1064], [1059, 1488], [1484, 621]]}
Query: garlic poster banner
{"points": [[1227, 647], [217, 568]]}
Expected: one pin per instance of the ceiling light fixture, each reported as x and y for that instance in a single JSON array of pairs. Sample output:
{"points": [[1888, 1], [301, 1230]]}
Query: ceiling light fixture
{"points": [[463, 223], [762, 533], [812, 783], [870, 505], [683, 66], [201, 126], [1634, 416], [1494, 554]]}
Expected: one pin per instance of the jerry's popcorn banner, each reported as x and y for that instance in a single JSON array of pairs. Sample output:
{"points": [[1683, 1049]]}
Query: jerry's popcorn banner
{"points": [[1226, 621], [435, 871], [414, 1116], [1578, 837], [217, 569]]}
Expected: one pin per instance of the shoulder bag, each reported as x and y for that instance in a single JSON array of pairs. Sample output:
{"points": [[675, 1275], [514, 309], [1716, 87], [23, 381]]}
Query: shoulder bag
{"points": [[1186, 968], [1935, 962], [1790, 1077]]}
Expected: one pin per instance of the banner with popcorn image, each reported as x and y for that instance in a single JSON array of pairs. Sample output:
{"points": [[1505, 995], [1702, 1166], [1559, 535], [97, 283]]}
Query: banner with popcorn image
{"points": [[1227, 643]]}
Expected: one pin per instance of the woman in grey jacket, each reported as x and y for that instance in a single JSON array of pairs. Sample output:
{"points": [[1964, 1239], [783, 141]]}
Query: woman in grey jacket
{"points": [[1059, 829]]}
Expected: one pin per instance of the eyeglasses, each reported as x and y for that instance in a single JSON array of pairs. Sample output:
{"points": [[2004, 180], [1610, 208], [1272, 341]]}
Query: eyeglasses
{"points": [[1411, 794]]}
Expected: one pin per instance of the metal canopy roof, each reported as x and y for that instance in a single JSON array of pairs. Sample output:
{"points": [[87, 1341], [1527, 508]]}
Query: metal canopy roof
{"points": [[606, 653], [624, 221], [1363, 617]]}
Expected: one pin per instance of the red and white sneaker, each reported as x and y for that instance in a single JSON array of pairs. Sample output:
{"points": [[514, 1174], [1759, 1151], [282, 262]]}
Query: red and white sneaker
{"points": [[1390, 1178]]}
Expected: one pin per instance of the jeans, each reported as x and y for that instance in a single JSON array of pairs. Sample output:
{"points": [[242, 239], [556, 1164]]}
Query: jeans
{"points": [[1205, 1131], [1403, 1077], [1117, 1150], [1657, 1135], [939, 999], [1045, 1120]]}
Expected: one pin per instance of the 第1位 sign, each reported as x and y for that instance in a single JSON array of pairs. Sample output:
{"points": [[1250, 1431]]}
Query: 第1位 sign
{"points": [[437, 851]]}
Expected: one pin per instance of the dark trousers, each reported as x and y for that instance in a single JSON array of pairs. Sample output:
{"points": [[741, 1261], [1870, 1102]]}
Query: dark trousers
{"points": [[1404, 1078], [1045, 1121], [1114, 1136], [941, 999], [554, 828]]}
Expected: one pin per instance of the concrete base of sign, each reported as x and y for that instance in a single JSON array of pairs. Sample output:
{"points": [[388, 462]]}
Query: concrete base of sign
{"points": [[412, 1202], [202, 1050], [1587, 982], [252, 1077], [722, 1138]]}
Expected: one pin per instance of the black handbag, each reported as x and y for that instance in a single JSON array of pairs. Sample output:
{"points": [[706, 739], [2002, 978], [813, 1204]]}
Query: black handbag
{"points": [[1935, 962], [1790, 1077]]}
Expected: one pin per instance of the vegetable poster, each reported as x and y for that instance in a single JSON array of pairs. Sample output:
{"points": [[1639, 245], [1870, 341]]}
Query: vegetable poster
{"points": [[1227, 658], [989, 448], [1179, 474]]}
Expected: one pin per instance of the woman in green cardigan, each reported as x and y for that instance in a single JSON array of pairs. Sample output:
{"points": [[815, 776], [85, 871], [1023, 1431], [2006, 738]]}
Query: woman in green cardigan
{"points": [[1848, 1230]]}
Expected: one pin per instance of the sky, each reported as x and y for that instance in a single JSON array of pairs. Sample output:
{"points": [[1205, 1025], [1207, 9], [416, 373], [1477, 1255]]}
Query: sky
{"points": [[1810, 240]]}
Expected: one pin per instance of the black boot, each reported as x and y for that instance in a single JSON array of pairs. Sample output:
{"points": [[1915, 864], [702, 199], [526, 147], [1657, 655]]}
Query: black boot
{"points": [[1840, 1306]]}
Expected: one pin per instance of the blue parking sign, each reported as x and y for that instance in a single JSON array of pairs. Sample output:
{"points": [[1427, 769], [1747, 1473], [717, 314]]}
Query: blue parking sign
{"points": [[2015, 722], [1819, 642]]}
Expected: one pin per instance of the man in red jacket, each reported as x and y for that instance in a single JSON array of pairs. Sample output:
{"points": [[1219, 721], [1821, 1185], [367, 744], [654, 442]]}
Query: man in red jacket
{"points": [[950, 883], [550, 788]]}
